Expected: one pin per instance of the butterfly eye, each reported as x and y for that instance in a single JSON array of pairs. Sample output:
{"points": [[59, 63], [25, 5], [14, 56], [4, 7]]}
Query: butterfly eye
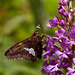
{"points": [[34, 34]]}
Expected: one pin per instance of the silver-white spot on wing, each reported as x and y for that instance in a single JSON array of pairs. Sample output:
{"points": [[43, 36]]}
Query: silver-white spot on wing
{"points": [[30, 50]]}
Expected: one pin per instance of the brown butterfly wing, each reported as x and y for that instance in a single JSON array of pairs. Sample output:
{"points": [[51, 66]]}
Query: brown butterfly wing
{"points": [[18, 52]]}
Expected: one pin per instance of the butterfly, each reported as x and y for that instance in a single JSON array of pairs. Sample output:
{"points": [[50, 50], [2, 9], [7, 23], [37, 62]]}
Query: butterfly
{"points": [[29, 49]]}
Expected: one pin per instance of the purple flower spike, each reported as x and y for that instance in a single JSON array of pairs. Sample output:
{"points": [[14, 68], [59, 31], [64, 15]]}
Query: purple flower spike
{"points": [[62, 2], [66, 14], [60, 49], [62, 23]]}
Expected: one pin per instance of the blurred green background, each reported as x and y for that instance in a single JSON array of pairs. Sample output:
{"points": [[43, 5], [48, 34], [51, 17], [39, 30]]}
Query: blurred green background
{"points": [[18, 19]]}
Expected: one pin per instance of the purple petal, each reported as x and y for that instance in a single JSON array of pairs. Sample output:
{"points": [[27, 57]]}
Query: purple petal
{"points": [[45, 63], [60, 7], [48, 36], [55, 19], [64, 45], [55, 68], [62, 23], [61, 31], [61, 11], [55, 38], [50, 67], [66, 14], [43, 71], [65, 56], [49, 26], [47, 69], [70, 70], [56, 33], [62, 2], [54, 22], [45, 54], [44, 42], [74, 25], [72, 34], [54, 56], [58, 52], [73, 61], [70, 52]]}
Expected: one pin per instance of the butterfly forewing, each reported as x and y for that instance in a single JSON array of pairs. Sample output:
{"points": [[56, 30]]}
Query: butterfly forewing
{"points": [[28, 49]]}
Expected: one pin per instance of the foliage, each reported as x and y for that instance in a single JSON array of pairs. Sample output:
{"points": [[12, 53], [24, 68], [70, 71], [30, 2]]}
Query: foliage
{"points": [[17, 22]]}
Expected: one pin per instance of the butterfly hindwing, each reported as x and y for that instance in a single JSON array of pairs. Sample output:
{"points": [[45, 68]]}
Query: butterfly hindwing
{"points": [[39, 49], [28, 49]]}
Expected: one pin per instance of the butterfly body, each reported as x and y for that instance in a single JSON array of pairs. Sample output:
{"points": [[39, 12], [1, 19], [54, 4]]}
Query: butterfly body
{"points": [[28, 49]]}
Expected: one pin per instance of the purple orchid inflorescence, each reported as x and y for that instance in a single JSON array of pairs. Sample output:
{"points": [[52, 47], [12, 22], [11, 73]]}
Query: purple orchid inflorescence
{"points": [[62, 57]]}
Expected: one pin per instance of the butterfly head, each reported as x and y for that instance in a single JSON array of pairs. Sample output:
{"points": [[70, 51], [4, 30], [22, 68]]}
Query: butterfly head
{"points": [[36, 33]]}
